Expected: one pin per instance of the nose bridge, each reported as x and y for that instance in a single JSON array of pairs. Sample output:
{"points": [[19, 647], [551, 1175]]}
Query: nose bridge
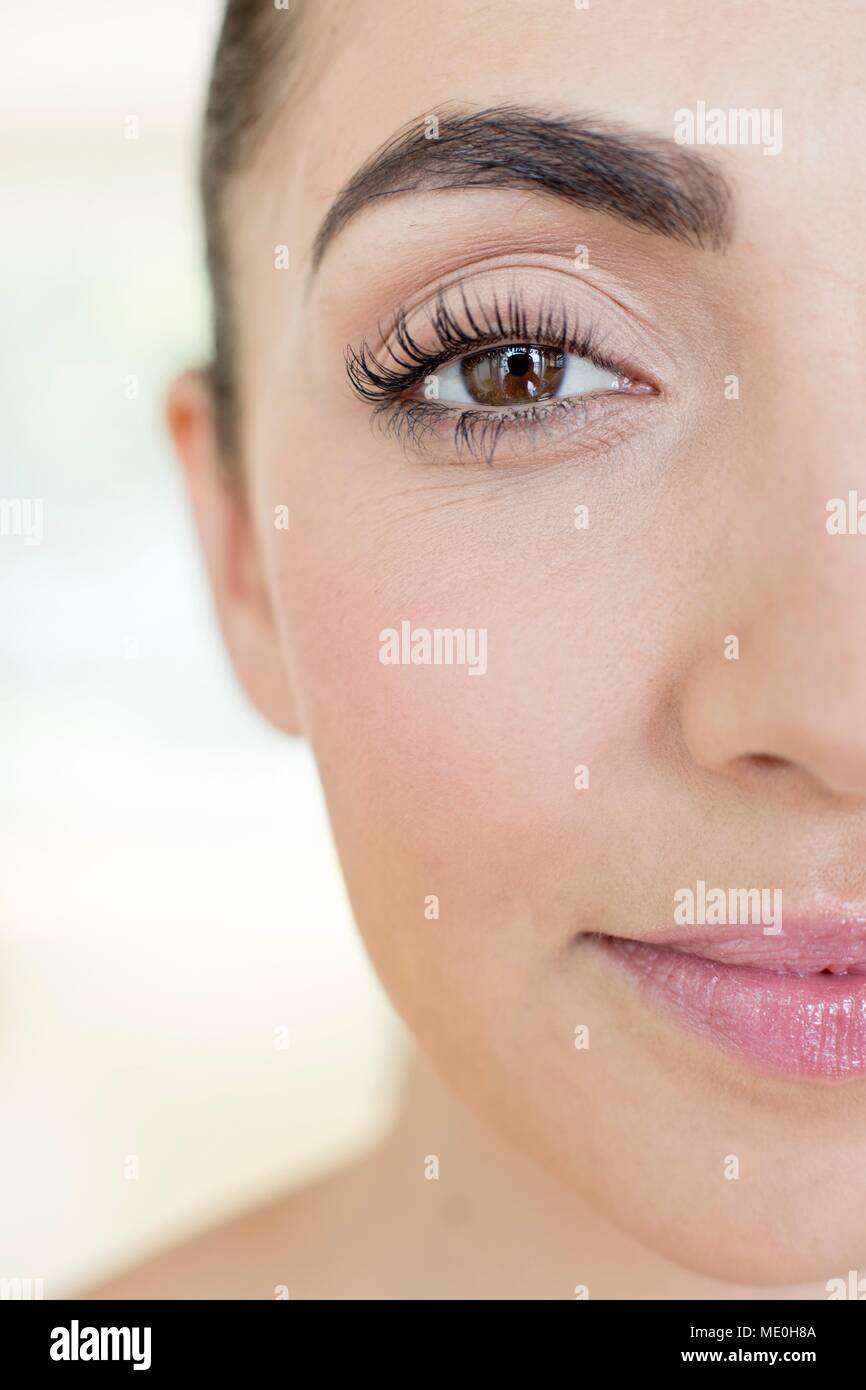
{"points": [[806, 370], [804, 569]]}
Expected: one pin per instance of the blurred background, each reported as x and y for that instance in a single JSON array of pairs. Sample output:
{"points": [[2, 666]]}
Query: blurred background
{"points": [[187, 1019]]}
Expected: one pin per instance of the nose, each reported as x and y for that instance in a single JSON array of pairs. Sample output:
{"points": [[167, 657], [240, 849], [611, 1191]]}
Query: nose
{"points": [[794, 695], [787, 689]]}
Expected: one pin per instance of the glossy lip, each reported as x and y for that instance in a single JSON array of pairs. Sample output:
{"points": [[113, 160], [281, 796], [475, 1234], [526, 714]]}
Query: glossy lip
{"points": [[793, 1004]]}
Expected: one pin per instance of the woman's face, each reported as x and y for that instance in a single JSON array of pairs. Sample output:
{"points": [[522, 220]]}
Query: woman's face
{"points": [[727, 411]]}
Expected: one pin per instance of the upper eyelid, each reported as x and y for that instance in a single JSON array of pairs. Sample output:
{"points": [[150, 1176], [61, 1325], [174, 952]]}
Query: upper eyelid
{"points": [[607, 294], [373, 377]]}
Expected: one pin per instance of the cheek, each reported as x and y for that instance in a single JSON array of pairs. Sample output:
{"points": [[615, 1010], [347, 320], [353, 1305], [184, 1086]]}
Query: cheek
{"points": [[470, 856], [440, 781], [443, 782]]}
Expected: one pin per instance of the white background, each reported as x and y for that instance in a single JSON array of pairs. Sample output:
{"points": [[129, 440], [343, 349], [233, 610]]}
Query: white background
{"points": [[168, 889]]}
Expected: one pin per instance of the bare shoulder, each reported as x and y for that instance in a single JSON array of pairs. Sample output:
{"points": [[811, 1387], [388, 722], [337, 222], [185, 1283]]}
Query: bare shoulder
{"points": [[320, 1241]]}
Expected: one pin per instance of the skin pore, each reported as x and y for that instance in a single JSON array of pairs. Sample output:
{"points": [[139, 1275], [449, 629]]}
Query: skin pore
{"points": [[559, 1168]]}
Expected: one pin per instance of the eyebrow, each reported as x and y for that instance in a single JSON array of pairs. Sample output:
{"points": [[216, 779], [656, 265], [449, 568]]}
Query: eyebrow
{"points": [[638, 178]]}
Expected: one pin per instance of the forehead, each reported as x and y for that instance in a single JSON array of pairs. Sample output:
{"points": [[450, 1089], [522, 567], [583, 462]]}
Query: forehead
{"points": [[368, 70]]}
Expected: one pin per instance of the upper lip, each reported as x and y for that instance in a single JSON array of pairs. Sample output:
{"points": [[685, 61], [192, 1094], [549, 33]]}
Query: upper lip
{"points": [[803, 947]]}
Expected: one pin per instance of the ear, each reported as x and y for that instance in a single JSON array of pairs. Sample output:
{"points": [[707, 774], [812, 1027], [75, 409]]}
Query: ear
{"points": [[231, 553]]}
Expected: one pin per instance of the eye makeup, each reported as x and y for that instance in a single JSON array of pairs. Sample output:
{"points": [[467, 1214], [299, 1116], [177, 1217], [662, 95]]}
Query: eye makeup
{"points": [[469, 374]]}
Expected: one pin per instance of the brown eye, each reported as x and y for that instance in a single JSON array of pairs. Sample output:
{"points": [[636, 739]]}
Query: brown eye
{"points": [[516, 375]]}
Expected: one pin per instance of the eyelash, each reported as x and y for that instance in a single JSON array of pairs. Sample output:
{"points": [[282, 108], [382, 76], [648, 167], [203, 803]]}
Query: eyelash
{"points": [[384, 384]]}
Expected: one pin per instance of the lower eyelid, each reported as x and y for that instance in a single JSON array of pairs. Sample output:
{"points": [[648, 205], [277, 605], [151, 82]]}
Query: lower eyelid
{"points": [[568, 427]]}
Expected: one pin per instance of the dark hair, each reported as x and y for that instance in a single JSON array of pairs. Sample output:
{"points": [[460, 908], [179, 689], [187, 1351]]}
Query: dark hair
{"points": [[251, 53]]}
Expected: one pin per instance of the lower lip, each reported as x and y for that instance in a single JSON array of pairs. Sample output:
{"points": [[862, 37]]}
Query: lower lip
{"points": [[799, 1026]]}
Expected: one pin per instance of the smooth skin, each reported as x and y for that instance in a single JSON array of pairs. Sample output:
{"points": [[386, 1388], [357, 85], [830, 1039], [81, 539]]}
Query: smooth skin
{"points": [[560, 1168]]}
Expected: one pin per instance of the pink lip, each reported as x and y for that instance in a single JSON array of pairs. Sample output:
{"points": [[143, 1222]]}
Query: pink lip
{"points": [[793, 1004]]}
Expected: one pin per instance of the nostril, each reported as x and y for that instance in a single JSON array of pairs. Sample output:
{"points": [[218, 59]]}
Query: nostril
{"points": [[766, 761]]}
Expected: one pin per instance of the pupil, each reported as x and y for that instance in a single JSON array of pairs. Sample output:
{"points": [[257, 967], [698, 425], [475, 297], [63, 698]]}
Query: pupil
{"points": [[519, 363]]}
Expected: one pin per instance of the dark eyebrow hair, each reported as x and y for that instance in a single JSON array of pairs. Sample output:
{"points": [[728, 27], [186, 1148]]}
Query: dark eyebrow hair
{"points": [[639, 178]]}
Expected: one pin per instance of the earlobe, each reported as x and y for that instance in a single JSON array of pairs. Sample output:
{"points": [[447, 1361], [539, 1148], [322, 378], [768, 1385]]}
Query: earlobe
{"points": [[231, 553]]}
